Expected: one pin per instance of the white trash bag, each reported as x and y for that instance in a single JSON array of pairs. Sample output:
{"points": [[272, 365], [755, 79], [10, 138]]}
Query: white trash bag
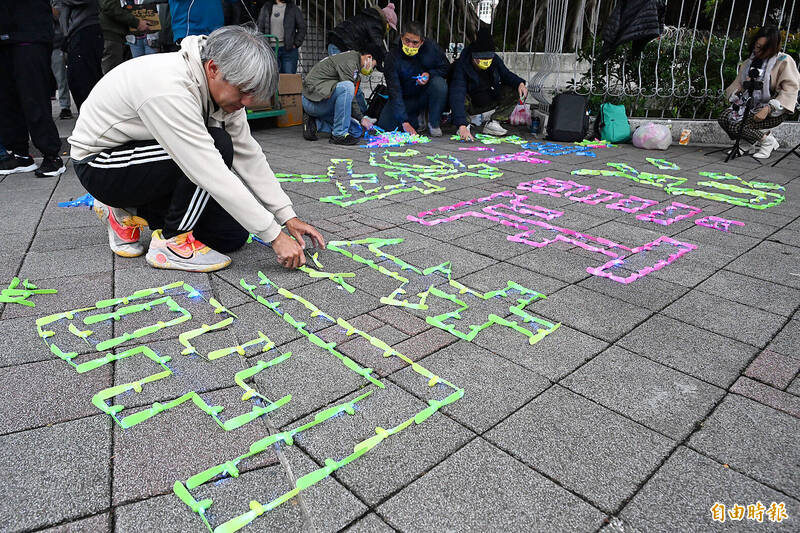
{"points": [[652, 136]]}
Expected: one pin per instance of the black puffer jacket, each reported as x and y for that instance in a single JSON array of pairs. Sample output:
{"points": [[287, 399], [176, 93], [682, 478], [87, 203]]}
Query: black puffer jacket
{"points": [[366, 27], [639, 21], [26, 21], [294, 25]]}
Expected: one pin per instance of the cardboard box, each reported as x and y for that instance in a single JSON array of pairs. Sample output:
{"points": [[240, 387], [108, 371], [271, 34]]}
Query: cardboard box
{"points": [[148, 14], [293, 105], [290, 84]]}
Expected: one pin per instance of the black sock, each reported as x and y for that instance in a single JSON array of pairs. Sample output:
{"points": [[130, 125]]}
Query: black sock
{"points": [[169, 233]]}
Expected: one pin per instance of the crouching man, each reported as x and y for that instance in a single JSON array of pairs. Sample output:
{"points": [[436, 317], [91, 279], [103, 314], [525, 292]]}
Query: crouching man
{"points": [[329, 91], [164, 141]]}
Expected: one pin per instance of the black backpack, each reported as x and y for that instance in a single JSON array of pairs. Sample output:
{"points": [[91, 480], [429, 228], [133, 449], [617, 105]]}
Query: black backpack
{"points": [[568, 121], [377, 100]]}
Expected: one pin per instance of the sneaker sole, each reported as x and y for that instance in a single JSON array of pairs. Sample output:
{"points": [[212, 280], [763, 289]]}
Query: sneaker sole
{"points": [[52, 174], [18, 170], [166, 265]]}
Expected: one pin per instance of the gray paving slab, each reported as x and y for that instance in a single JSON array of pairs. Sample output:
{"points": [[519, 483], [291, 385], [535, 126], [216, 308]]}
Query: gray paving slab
{"points": [[737, 321], [228, 295], [55, 474], [495, 276], [400, 319], [493, 387], [47, 392], [750, 291], [130, 280], [553, 357], [23, 344], [582, 309], [774, 369], [100, 523], [555, 263], [370, 524], [425, 343], [396, 461], [654, 395], [77, 261], [583, 446], [254, 317], [74, 292], [770, 261], [462, 262], [794, 386], [770, 437], [490, 242], [787, 341], [679, 498], [48, 240], [649, 292], [389, 334], [697, 352], [767, 395], [189, 441], [465, 494]]}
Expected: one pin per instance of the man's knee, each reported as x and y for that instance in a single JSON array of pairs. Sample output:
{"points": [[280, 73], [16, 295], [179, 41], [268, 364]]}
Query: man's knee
{"points": [[223, 143], [438, 86], [345, 87]]}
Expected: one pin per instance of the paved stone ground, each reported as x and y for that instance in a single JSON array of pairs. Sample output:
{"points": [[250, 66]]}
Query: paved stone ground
{"points": [[651, 402]]}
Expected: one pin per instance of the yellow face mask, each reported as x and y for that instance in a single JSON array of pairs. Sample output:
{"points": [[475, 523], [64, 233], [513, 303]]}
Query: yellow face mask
{"points": [[483, 64], [409, 51]]}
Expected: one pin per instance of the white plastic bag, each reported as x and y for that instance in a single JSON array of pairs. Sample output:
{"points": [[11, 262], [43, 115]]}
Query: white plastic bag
{"points": [[652, 137], [521, 116]]}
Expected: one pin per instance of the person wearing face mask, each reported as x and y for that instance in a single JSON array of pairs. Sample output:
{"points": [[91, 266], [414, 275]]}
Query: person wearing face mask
{"points": [[482, 87], [415, 77], [329, 103], [772, 103]]}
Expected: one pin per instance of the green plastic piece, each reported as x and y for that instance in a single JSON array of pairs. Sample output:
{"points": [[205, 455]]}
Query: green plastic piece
{"points": [[13, 295]]}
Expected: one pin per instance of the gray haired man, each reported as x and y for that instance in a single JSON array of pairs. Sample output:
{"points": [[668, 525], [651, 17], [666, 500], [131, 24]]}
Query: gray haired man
{"points": [[164, 141]]}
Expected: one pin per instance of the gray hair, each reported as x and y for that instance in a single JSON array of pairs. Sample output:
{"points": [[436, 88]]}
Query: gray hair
{"points": [[245, 59]]}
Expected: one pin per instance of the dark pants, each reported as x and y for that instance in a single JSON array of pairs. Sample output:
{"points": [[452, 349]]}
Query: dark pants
{"points": [[502, 101], [287, 60], [140, 174], [84, 57], [25, 109], [432, 99]]}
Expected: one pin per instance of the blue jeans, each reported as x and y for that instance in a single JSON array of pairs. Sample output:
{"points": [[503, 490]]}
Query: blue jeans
{"points": [[140, 48], [334, 114], [360, 98], [433, 98], [287, 60]]}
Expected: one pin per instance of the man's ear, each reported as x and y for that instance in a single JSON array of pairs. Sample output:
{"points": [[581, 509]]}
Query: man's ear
{"points": [[212, 69]]}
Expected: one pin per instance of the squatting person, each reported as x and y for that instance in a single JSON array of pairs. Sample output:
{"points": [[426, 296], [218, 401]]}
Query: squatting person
{"points": [[772, 103], [164, 141]]}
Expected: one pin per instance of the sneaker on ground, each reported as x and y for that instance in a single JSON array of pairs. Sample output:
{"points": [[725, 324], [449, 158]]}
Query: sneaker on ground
{"points": [[184, 252], [50, 167], [494, 128], [765, 147], [13, 163], [66, 113], [124, 229], [422, 120], [435, 132], [309, 127], [345, 140]]}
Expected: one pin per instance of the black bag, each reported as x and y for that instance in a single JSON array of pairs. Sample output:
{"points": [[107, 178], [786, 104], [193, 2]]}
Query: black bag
{"points": [[568, 120], [377, 100]]}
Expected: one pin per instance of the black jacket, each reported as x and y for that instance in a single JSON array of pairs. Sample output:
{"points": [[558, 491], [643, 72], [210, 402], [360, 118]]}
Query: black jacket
{"points": [[294, 25], [465, 80], [26, 21], [401, 69], [639, 21], [368, 26]]}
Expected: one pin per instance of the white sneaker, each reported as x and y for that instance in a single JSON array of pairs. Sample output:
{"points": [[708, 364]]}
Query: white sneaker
{"points": [[765, 147], [124, 229], [494, 128], [435, 132], [422, 120]]}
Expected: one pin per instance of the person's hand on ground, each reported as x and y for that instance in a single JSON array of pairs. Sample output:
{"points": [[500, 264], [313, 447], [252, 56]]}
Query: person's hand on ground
{"points": [[297, 228], [424, 78], [289, 251], [523, 92], [143, 25], [408, 128], [367, 124], [761, 114], [465, 134]]}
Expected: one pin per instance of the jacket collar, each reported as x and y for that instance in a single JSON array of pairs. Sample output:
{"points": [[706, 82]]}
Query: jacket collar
{"points": [[190, 50]]}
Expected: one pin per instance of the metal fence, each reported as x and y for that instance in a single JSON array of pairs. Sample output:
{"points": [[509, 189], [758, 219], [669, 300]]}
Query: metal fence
{"points": [[554, 44]]}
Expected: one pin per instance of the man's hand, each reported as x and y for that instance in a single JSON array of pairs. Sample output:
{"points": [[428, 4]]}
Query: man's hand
{"points": [[464, 133], [289, 251], [366, 123], [297, 228], [424, 78], [523, 92], [408, 128], [762, 113], [143, 25]]}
